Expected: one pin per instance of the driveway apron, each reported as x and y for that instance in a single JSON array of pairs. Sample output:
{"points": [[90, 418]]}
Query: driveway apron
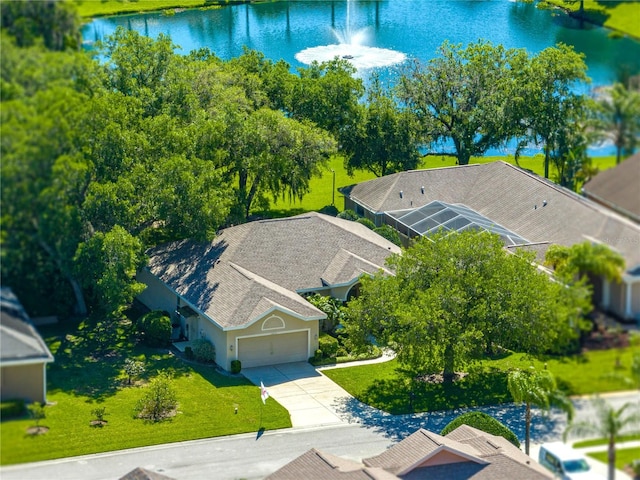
{"points": [[311, 398]]}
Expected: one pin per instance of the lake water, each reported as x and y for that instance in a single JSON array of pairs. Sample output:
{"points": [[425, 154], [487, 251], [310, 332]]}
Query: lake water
{"points": [[377, 34]]}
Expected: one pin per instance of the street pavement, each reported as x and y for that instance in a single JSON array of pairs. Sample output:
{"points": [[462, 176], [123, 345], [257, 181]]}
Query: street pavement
{"points": [[333, 422]]}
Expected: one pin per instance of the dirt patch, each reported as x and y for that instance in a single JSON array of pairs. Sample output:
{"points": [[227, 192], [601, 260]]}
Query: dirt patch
{"points": [[41, 430], [98, 423]]}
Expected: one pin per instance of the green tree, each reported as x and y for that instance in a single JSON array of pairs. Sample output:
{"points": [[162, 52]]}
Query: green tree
{"points": [[386, 139], [159, 400], [55, 22], [37, 412], [536, 388], [609, 422], [107, 264], [553, 108], [328, 94], [461, 97], [483, 422], [455, 296], [618, 116], [277, 156]]}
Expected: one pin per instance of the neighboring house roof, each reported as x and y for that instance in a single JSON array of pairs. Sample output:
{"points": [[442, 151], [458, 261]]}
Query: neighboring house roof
{"points": [[618, 188], [533, 207], [464, 454], [20, 343], [315, 464], [259, 266], [144, 474]]}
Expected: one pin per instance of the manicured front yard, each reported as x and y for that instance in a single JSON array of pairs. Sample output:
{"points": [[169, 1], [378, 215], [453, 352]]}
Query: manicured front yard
{"points": [[388, 387], [87, 375]]}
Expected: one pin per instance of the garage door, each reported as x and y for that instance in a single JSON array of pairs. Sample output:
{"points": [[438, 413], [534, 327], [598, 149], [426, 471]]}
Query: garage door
{"points": [[272, 349]]}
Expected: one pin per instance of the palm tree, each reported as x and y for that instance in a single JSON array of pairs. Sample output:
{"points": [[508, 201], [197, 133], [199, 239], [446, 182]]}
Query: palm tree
{"points": [[609, 423], [619, 118], [538, 389]]}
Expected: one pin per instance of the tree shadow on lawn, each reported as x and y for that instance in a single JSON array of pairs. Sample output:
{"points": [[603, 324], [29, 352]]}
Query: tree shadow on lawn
{"points": [[89, 362], [403, 395]]}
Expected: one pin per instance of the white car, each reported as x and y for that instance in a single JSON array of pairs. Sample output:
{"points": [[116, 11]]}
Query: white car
{"points": [[566, 463]]}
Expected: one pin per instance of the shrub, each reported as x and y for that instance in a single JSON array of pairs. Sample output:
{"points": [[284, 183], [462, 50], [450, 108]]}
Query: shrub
{"points": [[156, 327], [328, 345], [367, 223], [348, 215], [36, 410], [236, 366], [159, 400], [12, 408], [389, 233], [99, 413], [329, 210], [204, 351], [133, 368], [188, 352], [483, 422]]}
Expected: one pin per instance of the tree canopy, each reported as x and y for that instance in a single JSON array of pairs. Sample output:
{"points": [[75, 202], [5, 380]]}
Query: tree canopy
{"points": [[454, 297]]}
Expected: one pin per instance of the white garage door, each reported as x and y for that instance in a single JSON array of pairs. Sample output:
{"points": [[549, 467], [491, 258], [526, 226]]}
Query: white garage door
{"points": [[272, 349]]}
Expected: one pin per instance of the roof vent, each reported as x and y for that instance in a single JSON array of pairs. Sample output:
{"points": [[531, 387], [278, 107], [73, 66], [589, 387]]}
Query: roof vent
{"points": [[544, 203], [400, 193], [422, 189]]}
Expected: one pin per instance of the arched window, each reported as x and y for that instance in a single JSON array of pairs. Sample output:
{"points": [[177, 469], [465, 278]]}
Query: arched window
{"points": [[273, 323]]}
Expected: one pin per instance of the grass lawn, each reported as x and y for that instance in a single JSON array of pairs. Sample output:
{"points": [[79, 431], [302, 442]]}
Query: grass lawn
{"points": [[95, 8], [624, 456], [605, 441], [621, 16], [387, 387], [85, 375], [321, 188]]}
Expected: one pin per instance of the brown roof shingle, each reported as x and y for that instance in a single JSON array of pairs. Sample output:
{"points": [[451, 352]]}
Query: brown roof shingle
{"points": [[618, 188]]}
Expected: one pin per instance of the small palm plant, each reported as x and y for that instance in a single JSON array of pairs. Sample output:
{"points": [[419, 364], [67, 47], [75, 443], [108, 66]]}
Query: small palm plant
{"points": [[538, 389], [609, 422]]}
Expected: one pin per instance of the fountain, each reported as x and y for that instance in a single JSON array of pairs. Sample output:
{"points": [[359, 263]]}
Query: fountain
{"points": [[351, 47]]}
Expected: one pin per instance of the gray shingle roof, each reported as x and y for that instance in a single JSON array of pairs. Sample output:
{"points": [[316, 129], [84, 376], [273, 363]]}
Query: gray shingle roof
{"points": [[618, 187], [144, 474], [19, 341], [534, 208], [251, 268]]}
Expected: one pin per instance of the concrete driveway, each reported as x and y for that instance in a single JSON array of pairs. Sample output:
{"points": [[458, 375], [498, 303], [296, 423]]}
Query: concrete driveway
{"points": [[311, 398]]}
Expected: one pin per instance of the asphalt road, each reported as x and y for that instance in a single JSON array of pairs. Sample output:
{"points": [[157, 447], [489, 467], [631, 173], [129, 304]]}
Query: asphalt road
{"points": [[254, 456]]}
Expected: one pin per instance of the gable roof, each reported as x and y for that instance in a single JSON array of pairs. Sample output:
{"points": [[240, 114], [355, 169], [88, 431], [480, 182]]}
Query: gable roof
{"points": [[315, 464], [618, 188], [465, 453], [252, 268], [140, 473], [522, 202], [20, 343]]}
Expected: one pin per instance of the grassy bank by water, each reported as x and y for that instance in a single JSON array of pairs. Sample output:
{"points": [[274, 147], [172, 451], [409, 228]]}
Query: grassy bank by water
{"points": [[101, 8], [622, 17]]}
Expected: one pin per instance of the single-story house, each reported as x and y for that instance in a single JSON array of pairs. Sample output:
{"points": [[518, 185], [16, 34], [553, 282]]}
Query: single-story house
{"points": [[618, 188], [525, 209], [23, 353], [244, 291], [466, 453]]}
